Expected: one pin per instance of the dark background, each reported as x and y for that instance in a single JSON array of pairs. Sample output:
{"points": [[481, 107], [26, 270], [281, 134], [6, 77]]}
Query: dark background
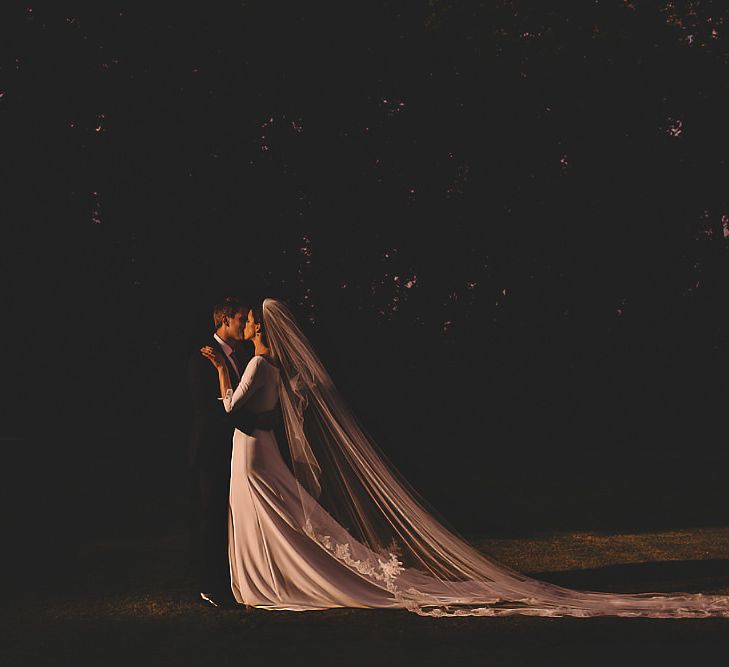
{"points": [[504, 225]]}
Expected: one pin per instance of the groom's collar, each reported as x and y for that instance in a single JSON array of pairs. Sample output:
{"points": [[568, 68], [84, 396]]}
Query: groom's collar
{"points": [[226, 348]]}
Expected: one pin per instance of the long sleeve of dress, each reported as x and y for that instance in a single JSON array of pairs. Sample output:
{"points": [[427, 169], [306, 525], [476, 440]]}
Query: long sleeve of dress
{"points": [[249, 383]]}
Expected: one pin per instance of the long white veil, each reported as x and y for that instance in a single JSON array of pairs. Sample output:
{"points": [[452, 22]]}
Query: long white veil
{"points": [[358, 507]]}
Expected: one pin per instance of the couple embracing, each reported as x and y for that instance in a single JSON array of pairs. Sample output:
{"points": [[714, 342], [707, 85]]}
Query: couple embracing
{"points": [[340, 527], [211, 444]]}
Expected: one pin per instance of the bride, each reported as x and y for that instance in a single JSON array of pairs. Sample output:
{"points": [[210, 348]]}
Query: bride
{"points": [[345, 529]]}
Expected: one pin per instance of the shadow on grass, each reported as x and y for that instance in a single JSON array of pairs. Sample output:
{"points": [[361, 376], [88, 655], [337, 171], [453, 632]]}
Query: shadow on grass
{"points": [[133, 602], [659, 576], [355, 637]]}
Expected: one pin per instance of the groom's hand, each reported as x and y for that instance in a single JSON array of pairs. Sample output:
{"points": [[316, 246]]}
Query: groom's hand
{"points": [[267, 421]]}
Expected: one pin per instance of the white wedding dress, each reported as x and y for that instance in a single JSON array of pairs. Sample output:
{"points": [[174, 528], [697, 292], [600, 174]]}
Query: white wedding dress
{"points": [[385, 548], [274, 564]]}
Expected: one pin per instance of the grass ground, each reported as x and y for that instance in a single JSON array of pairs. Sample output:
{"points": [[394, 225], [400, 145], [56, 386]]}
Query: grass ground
{"points": [[132, 602]]}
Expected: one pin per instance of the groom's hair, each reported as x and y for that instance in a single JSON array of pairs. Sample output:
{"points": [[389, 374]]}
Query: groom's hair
{"points": [[228, 307]]}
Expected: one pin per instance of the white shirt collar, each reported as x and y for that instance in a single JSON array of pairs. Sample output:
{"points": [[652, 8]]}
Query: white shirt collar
{"points": [[226, 348]]}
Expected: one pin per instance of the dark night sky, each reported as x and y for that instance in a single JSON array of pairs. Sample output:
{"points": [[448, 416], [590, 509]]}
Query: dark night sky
{"points": [[505, 224]]}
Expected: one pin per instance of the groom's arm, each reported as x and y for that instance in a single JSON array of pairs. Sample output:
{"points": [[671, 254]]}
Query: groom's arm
{"points": [[267, 421], [242, 420]]}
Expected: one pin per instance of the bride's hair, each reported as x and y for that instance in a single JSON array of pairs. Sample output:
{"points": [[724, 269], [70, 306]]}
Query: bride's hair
{"points": [[257, 311]]}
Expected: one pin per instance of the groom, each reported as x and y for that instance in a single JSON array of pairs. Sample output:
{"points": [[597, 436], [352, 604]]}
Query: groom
{"points": [[211, 446]]}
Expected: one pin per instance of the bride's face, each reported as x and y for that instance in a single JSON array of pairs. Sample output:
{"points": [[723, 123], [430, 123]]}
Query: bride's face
{"points": [[249, 330]]}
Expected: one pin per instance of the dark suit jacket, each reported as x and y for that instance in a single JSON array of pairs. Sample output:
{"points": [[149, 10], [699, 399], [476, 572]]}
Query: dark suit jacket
{"points": [[211, 439]]}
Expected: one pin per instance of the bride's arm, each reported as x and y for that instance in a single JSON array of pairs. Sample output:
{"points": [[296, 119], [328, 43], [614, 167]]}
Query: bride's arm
{"points": [[249, 381], [248, 385]]}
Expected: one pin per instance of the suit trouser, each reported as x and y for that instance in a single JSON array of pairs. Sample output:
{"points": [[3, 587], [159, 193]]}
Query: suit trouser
{"points": [[210, 527]]}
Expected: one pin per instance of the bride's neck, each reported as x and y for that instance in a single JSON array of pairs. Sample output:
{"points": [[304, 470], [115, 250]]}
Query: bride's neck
{"points": [[260, 348]]}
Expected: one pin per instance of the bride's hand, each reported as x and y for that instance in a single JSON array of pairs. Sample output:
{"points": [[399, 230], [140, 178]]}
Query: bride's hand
{"points": [[215, 356]]}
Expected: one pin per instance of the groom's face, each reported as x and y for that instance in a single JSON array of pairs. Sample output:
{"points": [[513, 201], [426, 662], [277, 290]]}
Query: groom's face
{"points": [[235, 326]]}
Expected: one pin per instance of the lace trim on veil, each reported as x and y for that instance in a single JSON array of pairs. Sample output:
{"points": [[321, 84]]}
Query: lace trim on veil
{"points": [[383, 569]]}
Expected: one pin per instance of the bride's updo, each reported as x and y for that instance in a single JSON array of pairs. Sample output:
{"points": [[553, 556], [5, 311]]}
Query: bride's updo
{"points": [[257, 311]]}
